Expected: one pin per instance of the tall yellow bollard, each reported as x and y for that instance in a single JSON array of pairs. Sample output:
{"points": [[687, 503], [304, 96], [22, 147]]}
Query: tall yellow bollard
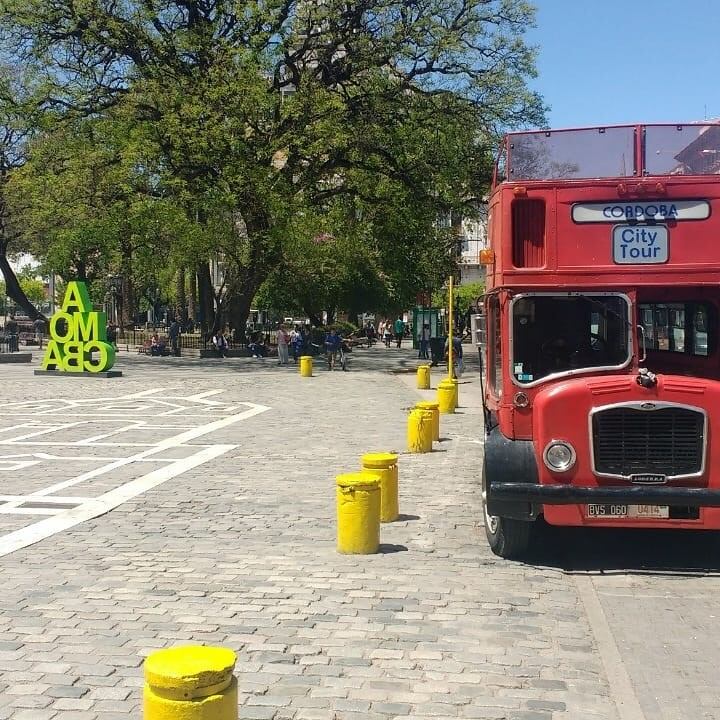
{"points": [[419, 433], [190, 683], [446, 396], [384, 465], [358, 513], [423, 377], [434, 408], [306, 365]]}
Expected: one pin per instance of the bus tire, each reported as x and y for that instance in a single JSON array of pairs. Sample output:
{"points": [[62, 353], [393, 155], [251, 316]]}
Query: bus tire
{"points": [[508, 538]]}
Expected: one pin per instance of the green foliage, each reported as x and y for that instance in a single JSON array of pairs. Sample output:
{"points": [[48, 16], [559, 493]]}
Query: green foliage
{"points": [[464, 297], [183, 130]]}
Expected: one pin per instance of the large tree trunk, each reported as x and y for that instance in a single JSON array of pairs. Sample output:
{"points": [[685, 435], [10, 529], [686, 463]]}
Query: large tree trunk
{"points": [[127, 303], [180, 298], [14, 291], [314, 318], [206, 297], [192, 296], [239, 305], [127, 289]]}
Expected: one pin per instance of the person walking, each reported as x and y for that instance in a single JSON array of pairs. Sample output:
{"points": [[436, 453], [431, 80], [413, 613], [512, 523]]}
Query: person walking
{"points": [[399, 328], [283, 339], [387, 333], [458, 367]]}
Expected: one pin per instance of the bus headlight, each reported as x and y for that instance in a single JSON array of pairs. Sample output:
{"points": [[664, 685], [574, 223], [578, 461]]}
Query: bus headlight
{"points": [[559, 455]]}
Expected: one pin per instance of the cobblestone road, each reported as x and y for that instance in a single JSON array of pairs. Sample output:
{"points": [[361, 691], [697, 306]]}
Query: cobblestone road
{"points": [[210, 519]]}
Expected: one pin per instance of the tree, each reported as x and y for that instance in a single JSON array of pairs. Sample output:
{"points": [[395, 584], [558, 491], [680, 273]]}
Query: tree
{"points": [[89, 204], [17, 114], [270, 109]]}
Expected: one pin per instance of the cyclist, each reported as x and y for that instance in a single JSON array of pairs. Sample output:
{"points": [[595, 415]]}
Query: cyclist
{"points": [[333, 345]]}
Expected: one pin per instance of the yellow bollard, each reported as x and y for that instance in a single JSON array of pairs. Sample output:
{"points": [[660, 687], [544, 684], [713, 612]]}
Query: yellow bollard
{"points": [[190, 683], [419, 435], [423, 377], [446, 396], [384, 465], [434, 408], [456, 394], [306, 365], [358, 513]]}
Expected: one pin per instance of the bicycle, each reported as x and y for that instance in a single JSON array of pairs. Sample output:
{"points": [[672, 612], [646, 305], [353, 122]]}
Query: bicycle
{"points": [[339, 355]]}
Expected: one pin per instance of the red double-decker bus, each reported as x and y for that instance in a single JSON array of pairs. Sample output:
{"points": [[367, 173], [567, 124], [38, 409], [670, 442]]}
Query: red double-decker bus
{"points": [[602, 357]]}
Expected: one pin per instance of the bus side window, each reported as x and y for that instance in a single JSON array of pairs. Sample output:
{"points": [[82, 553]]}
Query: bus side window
{"points": [[700, 331], [494, 346]]}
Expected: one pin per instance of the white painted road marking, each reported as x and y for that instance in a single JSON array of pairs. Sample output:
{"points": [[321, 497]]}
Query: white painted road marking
{"points": [[88, 507]]}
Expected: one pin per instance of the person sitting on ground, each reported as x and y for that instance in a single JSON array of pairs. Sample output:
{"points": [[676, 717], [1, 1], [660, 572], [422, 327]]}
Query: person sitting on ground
{"points": [[257, 346], [220, 344], [157, 346]]}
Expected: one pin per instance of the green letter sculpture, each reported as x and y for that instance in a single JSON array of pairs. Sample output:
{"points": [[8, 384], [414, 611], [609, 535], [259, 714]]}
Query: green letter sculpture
{"points": [[76, 332]]}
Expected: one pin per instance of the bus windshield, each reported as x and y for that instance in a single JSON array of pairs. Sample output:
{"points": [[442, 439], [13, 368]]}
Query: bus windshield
{"points": [[568, 154], [682, 150], [554, 334]]}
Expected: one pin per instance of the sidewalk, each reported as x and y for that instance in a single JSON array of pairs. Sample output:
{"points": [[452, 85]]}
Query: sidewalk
{"points": [[240, 551]]}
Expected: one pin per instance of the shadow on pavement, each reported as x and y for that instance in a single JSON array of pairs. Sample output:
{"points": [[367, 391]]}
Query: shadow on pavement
{"points": [[405, 518], [387, 548], [360, 360], [617, 551]]}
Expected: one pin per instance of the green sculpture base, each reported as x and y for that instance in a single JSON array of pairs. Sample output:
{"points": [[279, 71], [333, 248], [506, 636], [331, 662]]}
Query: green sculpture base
{"points": [[60, 373]]}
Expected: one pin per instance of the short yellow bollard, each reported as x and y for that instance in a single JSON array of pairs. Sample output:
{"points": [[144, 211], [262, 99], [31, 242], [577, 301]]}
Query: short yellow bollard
{"points": [[423, 377], [419, 434], [456, 394], [190, 683], [358, 513], [446, 396], [384, 465], [306, 365], [434, 408]]}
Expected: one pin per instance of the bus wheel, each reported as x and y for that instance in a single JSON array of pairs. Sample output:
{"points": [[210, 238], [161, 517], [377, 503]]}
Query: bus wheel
{"points": [[507, 538]]}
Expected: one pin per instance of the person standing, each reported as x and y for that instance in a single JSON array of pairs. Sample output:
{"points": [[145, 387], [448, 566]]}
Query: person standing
{"points": [[282, 345], [174, 335], [39, 327], [111, 335], [424, 342], [11, 334], [399, 328]]}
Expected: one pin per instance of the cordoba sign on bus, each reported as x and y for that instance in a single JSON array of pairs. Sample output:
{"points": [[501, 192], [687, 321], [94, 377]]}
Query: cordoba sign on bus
{"points": [[78, 340], [633, 211]]}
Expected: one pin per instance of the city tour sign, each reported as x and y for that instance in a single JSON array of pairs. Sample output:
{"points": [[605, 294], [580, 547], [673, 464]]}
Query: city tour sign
{"points": [[78, 339]]}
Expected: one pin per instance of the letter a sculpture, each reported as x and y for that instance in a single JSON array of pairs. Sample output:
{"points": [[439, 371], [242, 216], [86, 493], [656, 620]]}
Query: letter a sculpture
{"points": [[78, 341]]}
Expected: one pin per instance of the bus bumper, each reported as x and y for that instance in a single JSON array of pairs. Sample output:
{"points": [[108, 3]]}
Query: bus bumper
{"points": [[572, 495]]}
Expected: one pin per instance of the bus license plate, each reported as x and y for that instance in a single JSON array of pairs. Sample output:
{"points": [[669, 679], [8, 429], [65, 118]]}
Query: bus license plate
{"points": [[628, 511]]}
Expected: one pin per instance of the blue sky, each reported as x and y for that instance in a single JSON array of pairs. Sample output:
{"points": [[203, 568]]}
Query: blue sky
{"points": [[612, 62]]}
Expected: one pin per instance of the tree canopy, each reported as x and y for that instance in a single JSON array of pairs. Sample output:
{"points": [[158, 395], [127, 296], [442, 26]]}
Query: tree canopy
{"points": [[190, 128]]}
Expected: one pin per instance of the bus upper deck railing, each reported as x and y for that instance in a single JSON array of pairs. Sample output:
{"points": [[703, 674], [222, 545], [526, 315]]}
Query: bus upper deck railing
{"points": [[630, 151]]}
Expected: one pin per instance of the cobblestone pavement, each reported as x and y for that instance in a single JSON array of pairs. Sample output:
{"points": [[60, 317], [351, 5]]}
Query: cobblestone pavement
{"points": [[167, 513]]}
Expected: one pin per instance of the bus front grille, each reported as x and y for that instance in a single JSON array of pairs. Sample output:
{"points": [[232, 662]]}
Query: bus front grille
{"points": [[648, 439]]}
